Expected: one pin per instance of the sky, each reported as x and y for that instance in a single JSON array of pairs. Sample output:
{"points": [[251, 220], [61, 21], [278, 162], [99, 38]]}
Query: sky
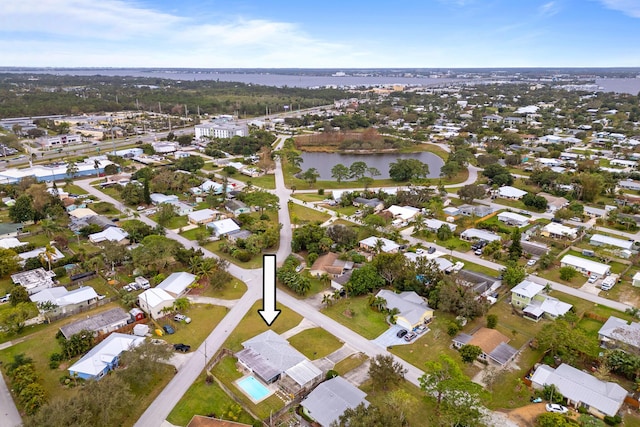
{"points": [[323, 34]]}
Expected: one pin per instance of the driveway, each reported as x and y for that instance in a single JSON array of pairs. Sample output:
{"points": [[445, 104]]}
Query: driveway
{"points": [[389, 338]]}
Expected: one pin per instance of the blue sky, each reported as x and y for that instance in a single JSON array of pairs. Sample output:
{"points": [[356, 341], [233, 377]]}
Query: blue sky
{"points": [[327, 34]]}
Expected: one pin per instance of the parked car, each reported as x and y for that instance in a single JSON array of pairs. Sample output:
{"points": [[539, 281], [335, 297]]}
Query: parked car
{"points": [[576, 219], [181, 318], [5, 298], [182, 347], [536, 399], [478, 252], [168, 329], [419, 251], [554, 407], [431, 250], [401, 333], [531, 262], [409, 336], [592, 279]]}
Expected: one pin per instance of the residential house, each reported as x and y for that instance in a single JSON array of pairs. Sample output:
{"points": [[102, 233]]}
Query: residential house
{"points": [[8, 229], [375, 204], [56, 255], [223, 227], [595, 212], [617, 333], [602, 240], [477, 234], [268, 356], [236, 207], [155, 302], [66, 301], [328, 401], [11, 243], [514, 121], [403, 213], [586, 266], [104, 356], [556, 231], [432, 224], [177, 283], [337, 283], [234, 236], [202, 216], [82, 213], [451, 211], [513, 219], [493, 344], [491, 118], [581, 389], [34, 280], [529, 297], [635, 281], [413, 310], [475, 210], [181, 208], [371, 244], [330, 265], [511, 193], [629, 185], [112, 234], [159, 198], [554, 203], [101, 323]]}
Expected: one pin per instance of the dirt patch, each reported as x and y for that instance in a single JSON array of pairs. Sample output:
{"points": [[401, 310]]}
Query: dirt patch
{"points": [[526, 416]]}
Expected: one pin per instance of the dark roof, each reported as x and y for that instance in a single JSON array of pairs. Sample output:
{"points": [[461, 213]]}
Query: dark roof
{"points": [[233, 205], [503, 353], [96, 323], [100, 220], [8, 227]]}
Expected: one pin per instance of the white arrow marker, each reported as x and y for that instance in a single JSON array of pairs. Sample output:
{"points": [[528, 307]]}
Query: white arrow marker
{"points": [[269, 312]]}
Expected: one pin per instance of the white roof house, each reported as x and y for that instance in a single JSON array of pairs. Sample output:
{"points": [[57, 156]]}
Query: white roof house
{"points": [[104, 357], [159, 198], [553, 229], [34, 280], [154, 300], [413, 309], [181, 208], [64, 299], [202, 216], [527, 289], [601, 240], [509, 192], [11, 242], [327, 402], [36, 253], [435, 224], [474, 233], [177, 283], [620, 331], [581, 388], [223, 227], [403, 212], [512, 218], [112, 234], [585, 266], [371, 242]]}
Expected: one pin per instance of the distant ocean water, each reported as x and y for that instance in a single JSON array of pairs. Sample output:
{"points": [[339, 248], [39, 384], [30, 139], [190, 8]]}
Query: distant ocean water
{"points": [[621, 85]]}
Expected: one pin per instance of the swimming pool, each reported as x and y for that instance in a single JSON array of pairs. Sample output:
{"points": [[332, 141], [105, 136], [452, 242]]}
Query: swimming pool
{"points": [[254, 388]]}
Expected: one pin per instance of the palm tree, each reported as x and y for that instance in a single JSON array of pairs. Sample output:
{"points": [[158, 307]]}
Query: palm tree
{"points": [[48, 254], [96, 166], [378, 246], [327, 299], [418, 223], [181, 304], [49, 227]]}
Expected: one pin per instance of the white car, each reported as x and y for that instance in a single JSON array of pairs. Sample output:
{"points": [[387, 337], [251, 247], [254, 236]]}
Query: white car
{"points": [[182, 318], [592, 279], [531, 262], [554, 407]]}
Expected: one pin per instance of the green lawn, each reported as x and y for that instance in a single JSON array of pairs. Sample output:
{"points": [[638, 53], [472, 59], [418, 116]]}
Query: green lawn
{"points": [[315, 343], [73, 189], [193, 233], [173, 223], [204, 399], [267, 182], [590, 326], [104, 208], [232, 290], [468, 265], [113, 192], [204, 317], [350, 363], [310, 197], [300, 214], [255, 262], [418, 410], [362, 319]]}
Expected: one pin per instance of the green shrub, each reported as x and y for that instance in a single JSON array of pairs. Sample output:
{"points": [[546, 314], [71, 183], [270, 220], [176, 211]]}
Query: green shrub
{"points": [[321, 191], [453, 329], [331, 374], [60, 272], [612, 421], [54, 360], [242, 255], [492, 321]]}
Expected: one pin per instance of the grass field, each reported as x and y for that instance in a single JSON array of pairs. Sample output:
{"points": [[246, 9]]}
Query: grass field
{"points": [[231, 290], [173, 223], [255, 262], [301, 214], [267, 182], [350, 363], [315, 343], [363, 320], [204, 317]]}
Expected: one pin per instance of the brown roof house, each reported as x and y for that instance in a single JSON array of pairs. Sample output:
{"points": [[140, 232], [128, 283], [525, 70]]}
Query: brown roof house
{"points": [[493, 344], [330, 264]]}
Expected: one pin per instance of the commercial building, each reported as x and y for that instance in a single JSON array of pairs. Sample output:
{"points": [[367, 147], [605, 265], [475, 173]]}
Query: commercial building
{"points": [[220, 129]]}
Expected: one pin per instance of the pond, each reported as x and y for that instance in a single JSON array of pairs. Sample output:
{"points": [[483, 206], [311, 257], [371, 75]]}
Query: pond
{"points": [[323, 162]]}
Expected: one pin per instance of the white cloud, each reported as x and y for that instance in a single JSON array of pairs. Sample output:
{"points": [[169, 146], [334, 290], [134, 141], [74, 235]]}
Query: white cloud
{"points": [[628, 7], [118, 33], [548, 9]]}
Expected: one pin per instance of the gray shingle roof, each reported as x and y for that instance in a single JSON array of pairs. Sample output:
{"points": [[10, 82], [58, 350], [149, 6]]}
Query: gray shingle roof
{"points": [[269, 355], [330, 399]]}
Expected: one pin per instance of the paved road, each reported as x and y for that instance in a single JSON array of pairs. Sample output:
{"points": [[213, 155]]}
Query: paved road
{"points": [[10, 415]]}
